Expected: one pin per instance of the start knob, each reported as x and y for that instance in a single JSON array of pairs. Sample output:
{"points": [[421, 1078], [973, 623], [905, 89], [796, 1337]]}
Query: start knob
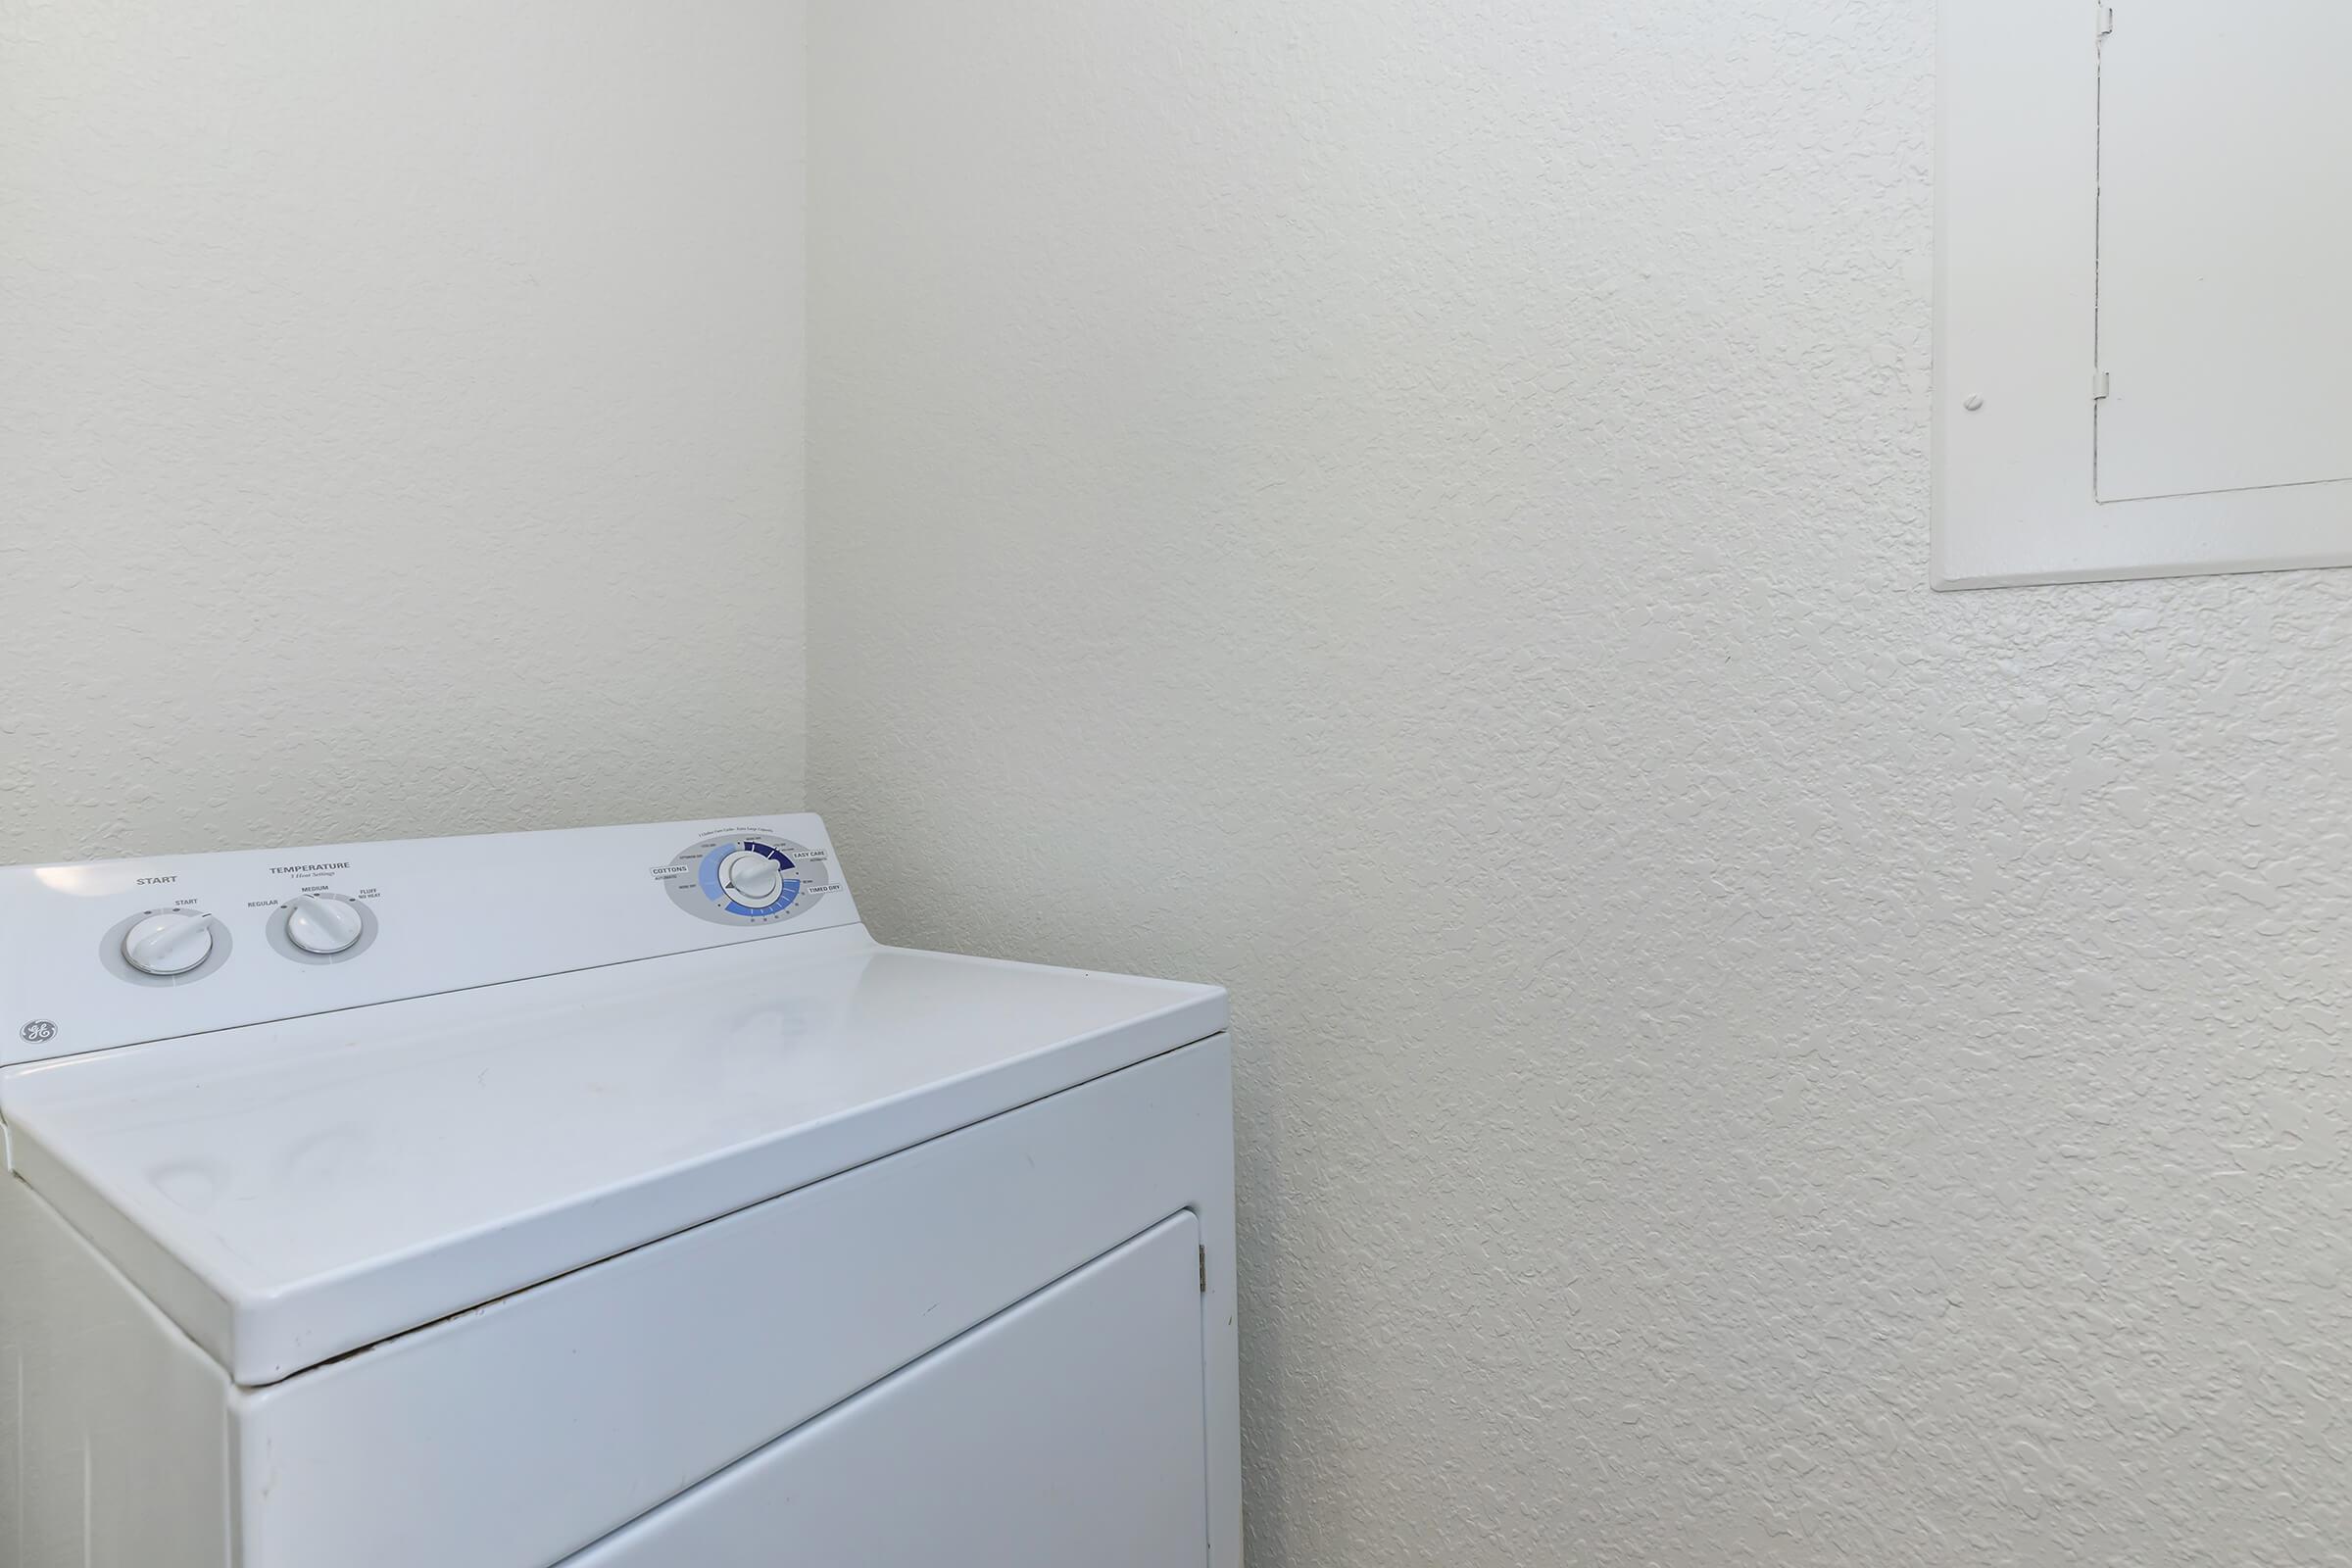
{"points": [[170, 942]]}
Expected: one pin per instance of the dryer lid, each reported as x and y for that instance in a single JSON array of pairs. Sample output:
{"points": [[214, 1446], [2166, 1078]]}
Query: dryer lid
{"points": [[290, 1192]]}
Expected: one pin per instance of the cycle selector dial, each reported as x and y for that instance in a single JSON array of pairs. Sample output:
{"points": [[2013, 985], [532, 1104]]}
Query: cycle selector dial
{"points": [[323, 927], [750, 878], [169, 944]]}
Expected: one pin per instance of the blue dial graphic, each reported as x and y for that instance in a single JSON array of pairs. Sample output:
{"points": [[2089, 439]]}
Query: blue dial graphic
{"points": [[745, 877], [713, 879]]}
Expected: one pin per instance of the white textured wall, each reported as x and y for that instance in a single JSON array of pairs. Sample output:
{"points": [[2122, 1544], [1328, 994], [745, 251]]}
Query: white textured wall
{"points": [[1418, 512], [389, 396]]}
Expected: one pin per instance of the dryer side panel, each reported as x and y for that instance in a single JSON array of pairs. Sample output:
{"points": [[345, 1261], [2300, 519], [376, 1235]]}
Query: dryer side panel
{"points": [[112, 1426], [1066, 1432]]}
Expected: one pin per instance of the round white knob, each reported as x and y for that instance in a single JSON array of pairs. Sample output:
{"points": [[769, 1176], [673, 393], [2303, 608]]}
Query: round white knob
{"points": [[169, 944], [323, 927], [750, 877]]}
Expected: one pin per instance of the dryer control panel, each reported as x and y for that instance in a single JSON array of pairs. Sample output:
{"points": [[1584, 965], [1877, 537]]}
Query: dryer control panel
{"points": [[109, 952]]}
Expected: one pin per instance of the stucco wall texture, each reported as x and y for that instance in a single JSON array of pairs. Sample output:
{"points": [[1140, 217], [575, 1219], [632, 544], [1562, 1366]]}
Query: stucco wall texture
{"points": [[1417, 511], [401, 416]]}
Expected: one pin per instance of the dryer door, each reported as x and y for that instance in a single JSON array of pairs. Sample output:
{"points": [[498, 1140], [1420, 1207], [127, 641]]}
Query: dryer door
{"points": [[1065, 1432]]}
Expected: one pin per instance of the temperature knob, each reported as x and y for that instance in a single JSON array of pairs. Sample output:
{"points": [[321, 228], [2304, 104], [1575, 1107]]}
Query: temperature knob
{"points": [[751, 878], [323, 927], [169, 944]]}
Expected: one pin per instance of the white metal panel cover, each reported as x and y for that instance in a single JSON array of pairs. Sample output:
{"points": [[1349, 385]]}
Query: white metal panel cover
{"points": [[2225, 247], [2140, 361]]}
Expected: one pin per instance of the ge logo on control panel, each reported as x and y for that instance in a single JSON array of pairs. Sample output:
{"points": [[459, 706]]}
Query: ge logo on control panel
{"points": [[39, 1032]]}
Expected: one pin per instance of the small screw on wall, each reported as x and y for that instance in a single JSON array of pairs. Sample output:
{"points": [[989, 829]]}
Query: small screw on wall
{"points": [[1973, 404]]}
